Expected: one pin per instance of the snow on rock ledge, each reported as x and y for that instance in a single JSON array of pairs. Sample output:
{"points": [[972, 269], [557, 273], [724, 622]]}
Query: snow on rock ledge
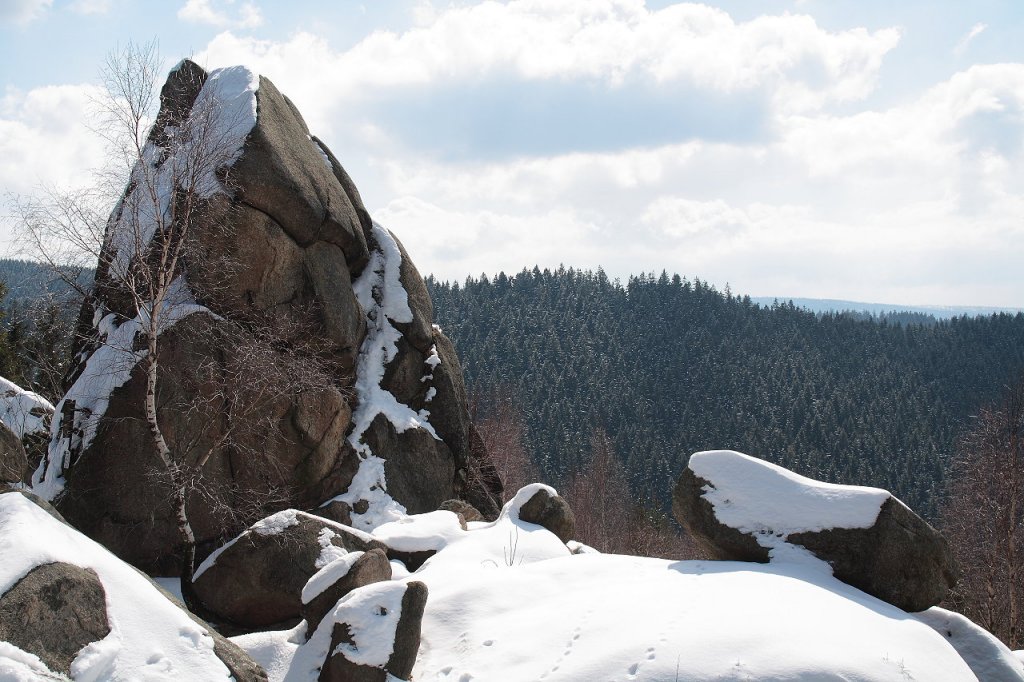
{"points": [[743, 508], [23, 412]]}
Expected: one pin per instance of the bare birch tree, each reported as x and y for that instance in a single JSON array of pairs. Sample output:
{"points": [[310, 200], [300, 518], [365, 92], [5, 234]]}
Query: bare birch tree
{"points": [[178, 193]]}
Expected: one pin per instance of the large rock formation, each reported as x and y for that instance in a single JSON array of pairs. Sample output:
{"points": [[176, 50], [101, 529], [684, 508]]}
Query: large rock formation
{"points": [[284, 272], [741, 508]]}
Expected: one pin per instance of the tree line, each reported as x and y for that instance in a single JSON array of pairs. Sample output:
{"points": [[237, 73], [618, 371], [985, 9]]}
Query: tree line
{"points": [[664, 366]]}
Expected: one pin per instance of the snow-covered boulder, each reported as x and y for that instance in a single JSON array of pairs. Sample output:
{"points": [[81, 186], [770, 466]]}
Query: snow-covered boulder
{"points": [[24, 428], [69, 607], [24, 412], [375, 634], [257, 578], [548, 509], [742, 508], [309, 260], [990, 659]]}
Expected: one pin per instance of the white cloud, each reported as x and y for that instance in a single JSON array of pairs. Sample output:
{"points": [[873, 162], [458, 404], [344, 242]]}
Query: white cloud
{"points": [[91, 6], [45, 141], [918, 203], [607, 41], [961, 47], [204, 12], [45, 137], [23, 11]]}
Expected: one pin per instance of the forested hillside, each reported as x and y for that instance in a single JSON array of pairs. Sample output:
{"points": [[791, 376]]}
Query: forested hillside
{"points": [[667, 367]]}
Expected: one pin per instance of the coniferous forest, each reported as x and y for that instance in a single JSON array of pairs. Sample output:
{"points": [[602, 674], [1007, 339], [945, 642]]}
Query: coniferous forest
{"points": [[666, 366]]}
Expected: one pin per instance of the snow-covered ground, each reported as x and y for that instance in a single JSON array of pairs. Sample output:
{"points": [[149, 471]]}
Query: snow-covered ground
{"points": [[508, 602]]}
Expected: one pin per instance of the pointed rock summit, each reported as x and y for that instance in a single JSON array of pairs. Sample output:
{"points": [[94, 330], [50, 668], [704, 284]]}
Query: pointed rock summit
{"points": [[284, 261]]}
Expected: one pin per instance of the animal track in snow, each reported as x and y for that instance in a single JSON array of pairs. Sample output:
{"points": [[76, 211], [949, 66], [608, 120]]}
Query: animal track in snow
{"points": [[573, 638]]}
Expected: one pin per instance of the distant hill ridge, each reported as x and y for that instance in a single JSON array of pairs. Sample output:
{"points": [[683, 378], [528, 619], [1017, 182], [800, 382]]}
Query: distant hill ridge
{"points": [[835, 305]]}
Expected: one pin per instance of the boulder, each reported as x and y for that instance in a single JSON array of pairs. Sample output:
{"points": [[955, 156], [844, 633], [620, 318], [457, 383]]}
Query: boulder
{"points": [[744, 509], [467, 513], [551, 512], [54, 612], [256, 579], [287, 278], [13, 461], [355, 653], [337, 579]]}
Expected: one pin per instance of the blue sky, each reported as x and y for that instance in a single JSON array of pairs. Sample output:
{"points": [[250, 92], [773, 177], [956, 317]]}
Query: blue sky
{"points": [[858, 150]]}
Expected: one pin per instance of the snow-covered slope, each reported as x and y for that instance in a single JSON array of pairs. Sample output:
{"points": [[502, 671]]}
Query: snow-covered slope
{"points": [[150, 637]]}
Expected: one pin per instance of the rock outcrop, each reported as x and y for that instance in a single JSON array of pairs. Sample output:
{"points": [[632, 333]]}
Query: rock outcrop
{"points": [[284, 272], [741, 508], [257, 578]]}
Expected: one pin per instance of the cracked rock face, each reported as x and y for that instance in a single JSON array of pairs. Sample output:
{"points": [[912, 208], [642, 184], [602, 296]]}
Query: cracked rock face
{"points": [[290, 260]]}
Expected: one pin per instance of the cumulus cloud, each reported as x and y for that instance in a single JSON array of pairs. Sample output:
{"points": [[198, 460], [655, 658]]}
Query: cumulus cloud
{"points": [[45, 140], [916, 203], [248, 15], [814, 190], [607, 43], [23, 11], [45, 136]]}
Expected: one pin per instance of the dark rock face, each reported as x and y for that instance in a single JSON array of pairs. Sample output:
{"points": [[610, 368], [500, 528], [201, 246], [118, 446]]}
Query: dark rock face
{"points": [[697, 516], [371, 567], [53, 612], [338, 668], [13, 461], [258, 579], [297, 238], [900, 558], [552, 512]]}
